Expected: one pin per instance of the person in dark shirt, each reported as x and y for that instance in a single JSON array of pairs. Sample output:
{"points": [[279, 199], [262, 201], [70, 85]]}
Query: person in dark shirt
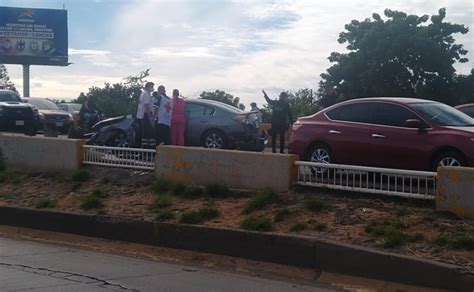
{"points": [[281, 119], [328, 99]]}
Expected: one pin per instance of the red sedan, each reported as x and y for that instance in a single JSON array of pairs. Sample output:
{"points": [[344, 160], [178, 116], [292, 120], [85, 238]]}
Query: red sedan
{"points": [[404, 133]]}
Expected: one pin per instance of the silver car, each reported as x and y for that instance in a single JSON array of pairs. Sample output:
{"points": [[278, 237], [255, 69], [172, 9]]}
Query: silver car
{"points": [[213, 124]]}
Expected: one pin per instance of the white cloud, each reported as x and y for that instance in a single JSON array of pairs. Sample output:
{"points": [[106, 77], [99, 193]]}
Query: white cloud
{"points": [[80, 52]]}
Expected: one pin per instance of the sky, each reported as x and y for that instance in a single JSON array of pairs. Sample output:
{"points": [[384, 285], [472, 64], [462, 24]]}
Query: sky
{"points": [[240, 47]]}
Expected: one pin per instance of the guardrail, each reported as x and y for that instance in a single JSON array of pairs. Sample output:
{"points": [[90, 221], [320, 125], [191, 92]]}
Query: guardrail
{"points": [[134, 158], [393, 182]]}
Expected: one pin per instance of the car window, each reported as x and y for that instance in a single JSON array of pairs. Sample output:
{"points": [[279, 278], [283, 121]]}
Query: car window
{"points": [[468, 111], [209, 111], [358, 112], [43, 104], [392, 115], [63, 107], [9, 97], [444, 115], [194, 110]]}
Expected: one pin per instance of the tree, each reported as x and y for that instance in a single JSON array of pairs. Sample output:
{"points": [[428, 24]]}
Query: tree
{"points": [[117, 99], [464, 88], [399, 56], [5, 82], [223, 97]]}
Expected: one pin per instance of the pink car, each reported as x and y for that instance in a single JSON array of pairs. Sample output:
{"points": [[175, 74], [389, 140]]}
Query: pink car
{"points": [[404, 133]]}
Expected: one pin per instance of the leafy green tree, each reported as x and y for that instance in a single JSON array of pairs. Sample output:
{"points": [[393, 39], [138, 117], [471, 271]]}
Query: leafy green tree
{"points": [[464, 88], [5, 82], [117, 99], [222, 96], [399, 56]]}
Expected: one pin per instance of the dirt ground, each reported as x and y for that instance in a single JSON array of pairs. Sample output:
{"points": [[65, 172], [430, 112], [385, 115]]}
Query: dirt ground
{"points": [[409, 227]]}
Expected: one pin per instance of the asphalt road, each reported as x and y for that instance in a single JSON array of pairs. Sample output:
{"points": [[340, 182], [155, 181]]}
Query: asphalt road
{"points": [[26, 265]]}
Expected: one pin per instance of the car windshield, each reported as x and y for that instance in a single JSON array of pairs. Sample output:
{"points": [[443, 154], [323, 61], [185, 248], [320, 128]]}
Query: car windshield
{"points": [[76, 107], [444, 115], [9, 97], [43, 104]]}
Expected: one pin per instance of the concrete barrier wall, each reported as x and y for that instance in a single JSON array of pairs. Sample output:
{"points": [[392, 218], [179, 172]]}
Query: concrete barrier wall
{"points": [[236, 169], [455, 191], [41, 153]]}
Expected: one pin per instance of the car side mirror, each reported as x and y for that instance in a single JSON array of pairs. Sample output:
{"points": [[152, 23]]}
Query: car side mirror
{"points": [[415, 123]]}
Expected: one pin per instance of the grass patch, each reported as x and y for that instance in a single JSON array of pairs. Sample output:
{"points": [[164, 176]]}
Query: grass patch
{"points": [[90, 202], [216, 190], [298, 226], [75, 186], [164, 215], [315, 205], [80, 175], [395, 239], [257, 224], [392, 233], [282, 214], [401, 211], [199, 216], [47, 204], [13, 175], [162, 186], [261, 200], [192, 192], [99, 193], [320, 227], [465, 242], [161, 201], [178, 189]]}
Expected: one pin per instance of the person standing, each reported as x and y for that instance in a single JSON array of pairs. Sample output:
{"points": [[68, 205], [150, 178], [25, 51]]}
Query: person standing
{"points": [[329, 98], [178, 120], [145, 114], [281, 118], [254, 108], [163, 113]]}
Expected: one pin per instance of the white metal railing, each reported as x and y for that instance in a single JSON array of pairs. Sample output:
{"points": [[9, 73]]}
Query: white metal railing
{"points": [[119, 157], [394, 182]]}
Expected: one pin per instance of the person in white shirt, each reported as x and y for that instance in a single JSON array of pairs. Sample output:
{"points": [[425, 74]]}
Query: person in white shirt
{"points": [[163, 109], [145, 115]]}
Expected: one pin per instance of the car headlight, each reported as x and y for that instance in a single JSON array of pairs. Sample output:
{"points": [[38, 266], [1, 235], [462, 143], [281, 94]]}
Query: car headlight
{"points": [[41, 116]]}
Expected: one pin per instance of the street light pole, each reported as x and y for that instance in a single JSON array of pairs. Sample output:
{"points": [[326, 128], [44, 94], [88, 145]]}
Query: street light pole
{"points": [[26, 80]]}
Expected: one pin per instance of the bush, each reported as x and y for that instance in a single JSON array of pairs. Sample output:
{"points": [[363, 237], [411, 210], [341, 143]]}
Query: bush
{"points": [[46, 204], [455, 242], [215, 190], [282, 214], [315, 205], [162, 186], [99, 193], [192, 192], [91, 202], [395, 239], [298, 226], [320, 227], [164, 215], [178, 189], [199, 216], [161, 201], [257, 224], [80, 175], [261, 200], [208, 213]]}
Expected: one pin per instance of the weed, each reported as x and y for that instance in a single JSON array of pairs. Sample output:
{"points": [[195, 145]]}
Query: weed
{"points": [[455, 242], [91, 202], [192, 192], [261, 200], [395, 239], [178, 189], [400, 226], [161, 201], [47, 204], [215, 190], [257, 224], [164, 215], [315, 205], [282, 214], [208, 212], [416, 237], [75, 186], [80, 175], [320, 227], [401, 211], [191, 217], [298, 226], [99, 193], [106, 180], [162, 186]]}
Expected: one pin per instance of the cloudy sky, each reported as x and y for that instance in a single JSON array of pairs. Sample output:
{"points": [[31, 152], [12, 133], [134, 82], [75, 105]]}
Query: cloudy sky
{"points": [[236, 46]]}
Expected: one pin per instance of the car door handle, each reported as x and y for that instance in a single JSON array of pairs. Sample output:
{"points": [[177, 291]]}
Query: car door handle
{"points": [[334, 132], [378, 136]]}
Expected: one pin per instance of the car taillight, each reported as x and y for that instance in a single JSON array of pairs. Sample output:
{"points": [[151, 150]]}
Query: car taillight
{"points": [[297, 125]]}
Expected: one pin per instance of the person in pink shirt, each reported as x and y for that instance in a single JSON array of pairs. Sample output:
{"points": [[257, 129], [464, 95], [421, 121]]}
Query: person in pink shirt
{"points": [[178, 120]]}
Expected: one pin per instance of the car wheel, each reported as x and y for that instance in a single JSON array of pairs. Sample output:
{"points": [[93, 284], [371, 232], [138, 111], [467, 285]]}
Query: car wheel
{"points": [[214, 139], [448, 158], [320, 153], [119, 139]]}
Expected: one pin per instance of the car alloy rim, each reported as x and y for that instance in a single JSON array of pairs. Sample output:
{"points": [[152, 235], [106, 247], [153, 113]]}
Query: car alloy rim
{"points": [[449, 161], [214, 141], [321, 156], [121, 141]]}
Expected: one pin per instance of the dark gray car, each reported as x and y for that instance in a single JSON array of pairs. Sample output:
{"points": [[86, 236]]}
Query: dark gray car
{"points": [[213, 124]]}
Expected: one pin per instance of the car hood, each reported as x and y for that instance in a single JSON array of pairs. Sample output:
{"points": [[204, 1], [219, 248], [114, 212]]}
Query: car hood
{"points": [[53, 112], [14, 104]]}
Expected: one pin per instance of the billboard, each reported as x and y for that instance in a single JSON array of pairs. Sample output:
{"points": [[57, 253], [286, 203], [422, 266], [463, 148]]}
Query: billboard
{"points": [[33, 36]]}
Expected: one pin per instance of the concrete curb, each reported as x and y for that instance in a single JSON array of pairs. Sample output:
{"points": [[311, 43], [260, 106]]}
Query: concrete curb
{"points": [[271, 247]]}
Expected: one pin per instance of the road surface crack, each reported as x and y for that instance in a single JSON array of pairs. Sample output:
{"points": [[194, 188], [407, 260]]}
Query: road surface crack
{"points": [[70, 276]]}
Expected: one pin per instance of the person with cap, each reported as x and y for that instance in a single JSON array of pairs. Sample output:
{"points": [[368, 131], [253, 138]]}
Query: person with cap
{"points": [[281, 119]]}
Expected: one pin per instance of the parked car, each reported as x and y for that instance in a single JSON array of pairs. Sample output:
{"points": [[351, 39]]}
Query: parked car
{"points": [[50, 115], [16, 116], [402, 133], [213, 124], [72, 108], [468, 109]]}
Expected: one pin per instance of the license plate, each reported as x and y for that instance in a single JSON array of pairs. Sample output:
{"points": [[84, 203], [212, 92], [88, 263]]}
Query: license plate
{"points": [[19, 123], [59, 124]]}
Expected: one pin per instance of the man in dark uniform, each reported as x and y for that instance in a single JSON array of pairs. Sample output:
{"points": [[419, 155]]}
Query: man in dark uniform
{"points": [[281, 119]]}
